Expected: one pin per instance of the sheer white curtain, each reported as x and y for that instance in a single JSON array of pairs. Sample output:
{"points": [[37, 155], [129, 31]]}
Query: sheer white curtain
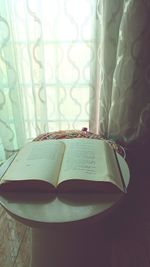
{"points": [[67, 64], [45, 67]]}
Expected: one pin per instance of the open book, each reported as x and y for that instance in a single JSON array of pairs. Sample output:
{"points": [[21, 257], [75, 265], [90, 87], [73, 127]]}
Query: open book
{"points": [[69, 165]]}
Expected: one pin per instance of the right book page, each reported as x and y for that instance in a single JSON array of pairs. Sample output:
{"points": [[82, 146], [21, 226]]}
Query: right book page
{"points": [[90, 159], [113, 168]]}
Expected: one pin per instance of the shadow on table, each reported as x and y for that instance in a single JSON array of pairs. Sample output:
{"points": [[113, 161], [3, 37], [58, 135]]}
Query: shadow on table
{"points": [[72, 199], [27, 197]]}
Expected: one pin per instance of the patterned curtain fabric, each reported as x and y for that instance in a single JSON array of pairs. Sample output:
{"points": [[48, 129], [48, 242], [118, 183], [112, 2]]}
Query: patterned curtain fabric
{"points": [[68, 64], [46, 49]]}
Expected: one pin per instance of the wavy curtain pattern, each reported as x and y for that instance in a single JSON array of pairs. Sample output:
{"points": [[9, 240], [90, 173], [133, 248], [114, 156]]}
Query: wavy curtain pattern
{"points": [[46, 50], [67, 64]]}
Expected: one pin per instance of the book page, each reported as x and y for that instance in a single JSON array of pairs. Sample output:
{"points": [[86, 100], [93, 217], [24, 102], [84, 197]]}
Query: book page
{"points": [[83, 160], [87, 159], [113, 168], [39, 160]]}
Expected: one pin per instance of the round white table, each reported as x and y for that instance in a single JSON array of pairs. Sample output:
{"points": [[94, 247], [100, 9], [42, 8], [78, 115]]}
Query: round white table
{"points": [[65, 228]]}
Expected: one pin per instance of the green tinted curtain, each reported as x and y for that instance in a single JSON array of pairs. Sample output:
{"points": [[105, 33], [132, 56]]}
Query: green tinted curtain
{"points": [[46, 50], [122, 78], [67, 64]]}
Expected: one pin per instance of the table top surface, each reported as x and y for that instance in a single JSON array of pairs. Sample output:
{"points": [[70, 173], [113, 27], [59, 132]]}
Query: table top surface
{"points": [[38, 209]]}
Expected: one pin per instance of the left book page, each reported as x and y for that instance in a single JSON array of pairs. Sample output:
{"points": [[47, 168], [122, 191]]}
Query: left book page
{"points": [[39, 160]]}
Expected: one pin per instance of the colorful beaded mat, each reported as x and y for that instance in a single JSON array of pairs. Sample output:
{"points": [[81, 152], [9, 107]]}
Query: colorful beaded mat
{"points": [[84, 133]]}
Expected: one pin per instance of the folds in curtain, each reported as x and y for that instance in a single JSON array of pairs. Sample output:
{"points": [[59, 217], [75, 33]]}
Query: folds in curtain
{"points": [[123, 63], [66, 64]]}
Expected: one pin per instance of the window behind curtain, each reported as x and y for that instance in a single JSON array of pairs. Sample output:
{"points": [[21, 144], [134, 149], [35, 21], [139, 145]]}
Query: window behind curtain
{"points": [[47, 55]]}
